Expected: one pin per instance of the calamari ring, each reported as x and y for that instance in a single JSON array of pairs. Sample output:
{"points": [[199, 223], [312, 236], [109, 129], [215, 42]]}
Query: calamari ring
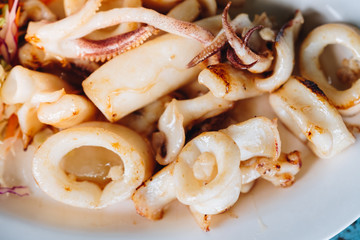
{"points": [[50, 173], [213, 191], [347, 101]]}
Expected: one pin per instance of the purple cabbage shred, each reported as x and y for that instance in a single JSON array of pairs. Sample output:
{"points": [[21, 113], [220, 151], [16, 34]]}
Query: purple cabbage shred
{"points": [[20, 191]]}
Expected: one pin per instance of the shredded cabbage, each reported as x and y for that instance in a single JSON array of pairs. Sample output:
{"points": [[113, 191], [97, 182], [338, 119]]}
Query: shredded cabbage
{"points": [[20, 191], [9, 32]]}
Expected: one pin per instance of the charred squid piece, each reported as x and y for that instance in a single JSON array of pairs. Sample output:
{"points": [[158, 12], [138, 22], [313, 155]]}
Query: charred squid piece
{"points": [[178, 115], [245, 54], [207, 174], [226, 81], [304, 108], [215, 46], [346, 101], [280, 172], [238, 23], [218, 43], [282, 66], [215, 167], [155, 194], [285, 55], [235, 61], [210, 163]]}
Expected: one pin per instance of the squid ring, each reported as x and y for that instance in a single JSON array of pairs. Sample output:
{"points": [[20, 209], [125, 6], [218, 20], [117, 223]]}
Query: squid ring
{"points": [[347, 101], [207, 173], [55, 160]]}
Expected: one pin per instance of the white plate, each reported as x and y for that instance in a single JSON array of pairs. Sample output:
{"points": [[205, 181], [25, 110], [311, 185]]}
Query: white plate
{"points": [[323, 201]]}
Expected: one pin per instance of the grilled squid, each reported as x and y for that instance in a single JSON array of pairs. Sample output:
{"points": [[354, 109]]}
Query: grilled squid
{"points": [[280, 173], [29, 88], [129, 82], [23, 85], [72, 6], [346, 101], [155, 194], [242, 57], [194, 178], [68, 40], [145, 120], [257, 63], [69, 110], [179, 114], [259, 142], [285, 55], [207, 174], [240, 23], [306, 111], [114, 162], [256, 137], [44, 100], [228, 82]]}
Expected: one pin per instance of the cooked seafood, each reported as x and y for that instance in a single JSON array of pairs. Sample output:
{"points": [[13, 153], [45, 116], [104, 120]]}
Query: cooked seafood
{"points": [[229, 83], [204, 173], [180, 114], [142, 101], [264, 140], [68, 42], [29, 88], [306, 111], [346, 101], [258, 63], [280, 172], [128, 83], [117, 157], [225, 81], [69, 110], [200, 176], [285, 55]]}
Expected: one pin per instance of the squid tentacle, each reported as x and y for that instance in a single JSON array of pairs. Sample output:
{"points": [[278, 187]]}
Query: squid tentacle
{"points": [[236, 62], [69, 41], [94, 50], [147, 16], [238, 23], [218, 43], [245, 54]]}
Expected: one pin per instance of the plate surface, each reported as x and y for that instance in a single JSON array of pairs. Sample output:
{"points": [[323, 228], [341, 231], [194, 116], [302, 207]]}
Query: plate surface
{"points": [[323, 201]]}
